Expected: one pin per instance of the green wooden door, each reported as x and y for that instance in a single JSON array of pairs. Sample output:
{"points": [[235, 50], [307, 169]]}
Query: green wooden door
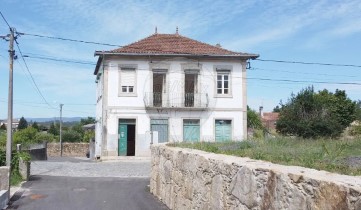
{"points": [[122, 141], [191, 131], [223, 130]]}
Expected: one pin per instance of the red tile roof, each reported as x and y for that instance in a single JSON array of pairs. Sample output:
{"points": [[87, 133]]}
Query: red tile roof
{"points": [[270, 116], [173, 44]]}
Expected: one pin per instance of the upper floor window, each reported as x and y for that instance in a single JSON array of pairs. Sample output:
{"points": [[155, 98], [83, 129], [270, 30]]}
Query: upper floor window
{"points": [[223, 82], [127, 81]]}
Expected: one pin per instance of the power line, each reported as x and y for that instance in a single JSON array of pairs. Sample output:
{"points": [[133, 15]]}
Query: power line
{"points": [[31, 76], [309, 63], [71, 40], [293, 72], [304, 81], [61, 60], [5, 19]]}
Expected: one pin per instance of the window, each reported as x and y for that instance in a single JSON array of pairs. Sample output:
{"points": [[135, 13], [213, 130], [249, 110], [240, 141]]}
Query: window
{"points": [[127, 80], [223, 82]]}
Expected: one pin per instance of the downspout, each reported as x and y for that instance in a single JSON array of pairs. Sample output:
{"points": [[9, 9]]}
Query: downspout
{"points": [[244, 99]]}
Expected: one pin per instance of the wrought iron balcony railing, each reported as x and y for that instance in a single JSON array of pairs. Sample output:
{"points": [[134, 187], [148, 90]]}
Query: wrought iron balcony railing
{"points": [[176, 100]]}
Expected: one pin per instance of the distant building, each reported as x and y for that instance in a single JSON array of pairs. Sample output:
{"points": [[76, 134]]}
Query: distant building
{"points": [[15, 123], [269, 120]]}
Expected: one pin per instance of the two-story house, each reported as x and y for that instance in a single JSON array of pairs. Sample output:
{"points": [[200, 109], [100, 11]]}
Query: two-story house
{"points": [[168, 88]]}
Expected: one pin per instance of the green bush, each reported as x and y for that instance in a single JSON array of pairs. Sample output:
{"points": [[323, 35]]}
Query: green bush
{"points": [[40, 137], [311, 114], [25, 136], [71, 136]]}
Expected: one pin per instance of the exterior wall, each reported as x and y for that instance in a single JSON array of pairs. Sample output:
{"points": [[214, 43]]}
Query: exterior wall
{"points": [[115, 107], [192, 179], [98, 113]]}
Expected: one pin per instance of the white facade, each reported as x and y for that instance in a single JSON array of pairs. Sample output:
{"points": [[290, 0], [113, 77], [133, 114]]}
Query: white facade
{"points": [[173, 105]]}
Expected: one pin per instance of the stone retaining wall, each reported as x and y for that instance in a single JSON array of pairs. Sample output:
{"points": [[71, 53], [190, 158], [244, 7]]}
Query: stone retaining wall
{"points": [[69, 149], [192, 179], [4, 186]]}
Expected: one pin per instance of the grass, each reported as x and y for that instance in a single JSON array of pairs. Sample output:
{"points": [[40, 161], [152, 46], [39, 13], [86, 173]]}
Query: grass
{"points": [[339, 156]]}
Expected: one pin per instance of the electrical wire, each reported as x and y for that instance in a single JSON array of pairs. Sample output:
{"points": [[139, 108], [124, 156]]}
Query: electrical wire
{"points": [[309, 63], [68, 39], [5, 19], [31, 76]]}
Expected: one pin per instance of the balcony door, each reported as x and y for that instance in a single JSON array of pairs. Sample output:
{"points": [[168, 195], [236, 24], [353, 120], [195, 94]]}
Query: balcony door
{"points": [[159, 88], [190, 88]]}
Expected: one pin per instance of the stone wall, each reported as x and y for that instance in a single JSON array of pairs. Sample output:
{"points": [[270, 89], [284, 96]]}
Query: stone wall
{"points": [[69, 149], [4, 186], [192, 179]]}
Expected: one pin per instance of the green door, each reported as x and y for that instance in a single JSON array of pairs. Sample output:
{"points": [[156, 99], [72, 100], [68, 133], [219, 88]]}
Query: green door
{"points": [[223, 130], [191, 131], [122, 141]]}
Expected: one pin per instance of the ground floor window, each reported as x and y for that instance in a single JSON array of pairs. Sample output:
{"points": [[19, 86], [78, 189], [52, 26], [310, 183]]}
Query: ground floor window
{"points": [[223, 130], [191, 130], [161, 126]]}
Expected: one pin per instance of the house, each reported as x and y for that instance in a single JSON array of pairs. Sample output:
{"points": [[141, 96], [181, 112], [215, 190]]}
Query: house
{"points": [[168, 88], [269, 120], [15, 123]]}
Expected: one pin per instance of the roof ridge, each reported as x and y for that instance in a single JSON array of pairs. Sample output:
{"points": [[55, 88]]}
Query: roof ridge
{"points": [[159, 43]]}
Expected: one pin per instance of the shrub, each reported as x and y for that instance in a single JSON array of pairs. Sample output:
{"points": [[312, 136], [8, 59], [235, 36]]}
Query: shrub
{"points": [[40, 137], [310, 115], [71, 136], [25, 136]]}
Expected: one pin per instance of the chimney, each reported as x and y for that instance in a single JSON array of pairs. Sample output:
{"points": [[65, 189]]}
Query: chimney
{"points": [[218, 45], [261, 111]]}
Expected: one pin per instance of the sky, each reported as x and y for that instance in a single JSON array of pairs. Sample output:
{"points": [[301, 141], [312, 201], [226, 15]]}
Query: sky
{"points": [[306, 30]]}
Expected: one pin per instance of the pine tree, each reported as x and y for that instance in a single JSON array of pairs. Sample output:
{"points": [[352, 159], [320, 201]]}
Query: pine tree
{"points": [[35, 125], [22, 123]]}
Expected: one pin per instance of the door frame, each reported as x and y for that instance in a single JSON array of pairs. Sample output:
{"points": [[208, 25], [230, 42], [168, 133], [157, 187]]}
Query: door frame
{"points": [[199, 126], [136, 132], [221, 118]]}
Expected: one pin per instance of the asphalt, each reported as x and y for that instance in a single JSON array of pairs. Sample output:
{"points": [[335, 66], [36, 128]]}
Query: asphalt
{"points": [[58, 185]]}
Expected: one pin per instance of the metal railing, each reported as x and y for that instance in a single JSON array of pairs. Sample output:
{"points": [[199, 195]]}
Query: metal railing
{"points": [[176, 100]]}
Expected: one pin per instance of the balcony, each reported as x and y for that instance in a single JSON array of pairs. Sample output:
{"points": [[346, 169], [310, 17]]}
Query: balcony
{"points": [[195, 101]]}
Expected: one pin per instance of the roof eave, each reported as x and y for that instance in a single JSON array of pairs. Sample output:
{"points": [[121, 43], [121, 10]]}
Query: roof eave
{"points": [[98, 64], [244, 55]]}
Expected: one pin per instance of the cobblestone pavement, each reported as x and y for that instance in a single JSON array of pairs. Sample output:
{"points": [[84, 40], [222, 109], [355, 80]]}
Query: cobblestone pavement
{"points": [[83, 167]]}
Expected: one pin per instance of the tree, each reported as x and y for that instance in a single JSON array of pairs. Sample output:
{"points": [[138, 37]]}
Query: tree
{"points": [[310, 115], [3, 127], [35, 125], [85, 121], [253, 119], [358, 110], [22, 123], [53, 129], [25, 136], [277, 109]]}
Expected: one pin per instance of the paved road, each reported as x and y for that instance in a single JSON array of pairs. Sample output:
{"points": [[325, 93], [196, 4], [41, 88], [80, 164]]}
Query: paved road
{"points": [[73, 183], [83, 167]]}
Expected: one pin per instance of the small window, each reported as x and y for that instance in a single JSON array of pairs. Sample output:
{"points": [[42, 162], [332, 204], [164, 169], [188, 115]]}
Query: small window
{"points": [[223, 83], [127, 80]]}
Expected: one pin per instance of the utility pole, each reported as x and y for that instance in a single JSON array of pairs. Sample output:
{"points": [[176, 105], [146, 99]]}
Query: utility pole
{"points": [[9, 130], [61, 121]]}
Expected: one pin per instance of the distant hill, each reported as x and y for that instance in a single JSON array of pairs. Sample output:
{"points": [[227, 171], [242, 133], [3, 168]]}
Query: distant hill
{"points": [[51, 119]]}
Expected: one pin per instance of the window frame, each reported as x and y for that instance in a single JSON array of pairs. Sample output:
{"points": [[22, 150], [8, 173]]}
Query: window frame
{"points": [[127, 67], [222, 71]]}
